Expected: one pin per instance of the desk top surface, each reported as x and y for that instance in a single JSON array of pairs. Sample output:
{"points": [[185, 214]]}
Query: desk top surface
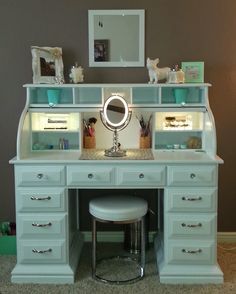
{"points": [[145, 156]]}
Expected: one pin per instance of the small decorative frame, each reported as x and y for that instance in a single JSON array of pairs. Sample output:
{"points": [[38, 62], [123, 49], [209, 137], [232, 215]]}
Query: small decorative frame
{"points": [[47, 65], [194, 71], [101, 50]]}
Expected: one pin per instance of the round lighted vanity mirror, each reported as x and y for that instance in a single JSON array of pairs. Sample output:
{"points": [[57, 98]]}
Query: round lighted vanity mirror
{"points": [[115, 115], [115, 111]]}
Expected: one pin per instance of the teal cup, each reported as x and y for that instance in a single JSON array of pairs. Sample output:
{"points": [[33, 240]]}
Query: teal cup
{"points": [[180, 95], [53, 96]]}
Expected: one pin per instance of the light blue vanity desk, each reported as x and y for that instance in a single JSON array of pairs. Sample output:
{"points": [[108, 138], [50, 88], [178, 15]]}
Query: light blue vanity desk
{"points": [[181, 165]]}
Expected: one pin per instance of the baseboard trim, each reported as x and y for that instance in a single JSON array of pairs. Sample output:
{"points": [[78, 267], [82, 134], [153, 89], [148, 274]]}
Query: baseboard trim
{"points": [[226, 237], [111, 236]]}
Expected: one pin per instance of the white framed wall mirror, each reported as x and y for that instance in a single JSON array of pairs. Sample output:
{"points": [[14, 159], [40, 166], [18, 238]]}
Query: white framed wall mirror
{"points": [[116, 38]]}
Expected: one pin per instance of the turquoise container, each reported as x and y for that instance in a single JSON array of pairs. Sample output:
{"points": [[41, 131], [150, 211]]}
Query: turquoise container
{"points": [[180, 95], [53, 96]]}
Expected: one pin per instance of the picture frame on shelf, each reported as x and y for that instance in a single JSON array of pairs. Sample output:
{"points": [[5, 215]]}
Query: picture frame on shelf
{"points": [[101, 50], [194, 71], [47, 65]]}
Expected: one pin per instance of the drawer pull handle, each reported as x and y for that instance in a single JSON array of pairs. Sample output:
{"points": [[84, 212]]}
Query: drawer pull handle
{"points": [[141, 176], [40, 176], [41, 251], [41, 225], [192, 176], [191, 225], [40, 198], [192, 199], [90, 176], [192, 251]]}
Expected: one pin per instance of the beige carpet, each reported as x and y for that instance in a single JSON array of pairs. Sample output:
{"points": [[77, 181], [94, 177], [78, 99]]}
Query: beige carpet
{"points": [[150, 284]]}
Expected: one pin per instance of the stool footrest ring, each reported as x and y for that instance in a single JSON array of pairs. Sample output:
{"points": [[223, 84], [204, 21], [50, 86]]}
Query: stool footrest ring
{"points": [[120, 282]]}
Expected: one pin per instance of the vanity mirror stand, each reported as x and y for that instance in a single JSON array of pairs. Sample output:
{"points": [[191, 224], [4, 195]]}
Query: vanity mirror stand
{"points": [[115, 116]]}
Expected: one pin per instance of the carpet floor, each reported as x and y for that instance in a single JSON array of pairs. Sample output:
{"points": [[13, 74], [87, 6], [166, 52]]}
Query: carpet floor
{"points": [[149, 284]]}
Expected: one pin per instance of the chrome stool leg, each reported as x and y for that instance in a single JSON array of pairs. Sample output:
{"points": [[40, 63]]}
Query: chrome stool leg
{"points": [[94, 247], [143, 249]]}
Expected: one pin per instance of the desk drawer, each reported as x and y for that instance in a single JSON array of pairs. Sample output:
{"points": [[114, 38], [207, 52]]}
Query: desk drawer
{"points": [[193, 226], [90, 176], [141, 176], [41, 226], [193, 175], [40, 199], [41, 252], [191, 200], [191, 252], [40, 175]]}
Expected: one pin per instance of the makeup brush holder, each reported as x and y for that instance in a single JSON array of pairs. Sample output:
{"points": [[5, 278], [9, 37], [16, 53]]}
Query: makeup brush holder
{"points": [[145, 142], [89, 142]]}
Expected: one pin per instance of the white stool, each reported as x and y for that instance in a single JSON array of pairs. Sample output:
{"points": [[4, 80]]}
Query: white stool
{"points": [[118, 209]]}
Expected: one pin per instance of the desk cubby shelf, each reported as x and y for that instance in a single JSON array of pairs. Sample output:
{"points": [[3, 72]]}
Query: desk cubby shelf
{"points": [[136, 94], [175, 125]]}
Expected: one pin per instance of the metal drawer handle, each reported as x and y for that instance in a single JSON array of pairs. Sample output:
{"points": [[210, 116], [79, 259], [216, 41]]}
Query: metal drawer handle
{"points": [[90, 176], [40, 176], [191, 226], [41, 251], [192, 251], [192, 199], [141, 176], [192, 176], [41, 225], [40, 198]]}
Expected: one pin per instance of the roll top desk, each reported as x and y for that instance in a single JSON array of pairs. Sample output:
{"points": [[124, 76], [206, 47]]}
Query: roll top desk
{"points": [[181, 164]]}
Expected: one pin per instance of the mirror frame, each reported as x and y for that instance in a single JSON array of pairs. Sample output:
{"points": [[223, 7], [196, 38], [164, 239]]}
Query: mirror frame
{"points": [[140, 13], [105, 109]]}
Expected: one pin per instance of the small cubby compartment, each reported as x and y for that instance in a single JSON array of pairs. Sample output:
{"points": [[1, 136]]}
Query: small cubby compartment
{"points": [[53, 131], [146, 95], [183, 94], [124, 92], [55, 141], [39, 95], [179, 130], [179, 120], [88, 95], [178, 140]]}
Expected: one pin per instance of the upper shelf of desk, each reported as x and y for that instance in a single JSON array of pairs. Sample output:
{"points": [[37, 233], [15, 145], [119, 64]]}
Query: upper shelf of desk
{"points": [[136, 95]]}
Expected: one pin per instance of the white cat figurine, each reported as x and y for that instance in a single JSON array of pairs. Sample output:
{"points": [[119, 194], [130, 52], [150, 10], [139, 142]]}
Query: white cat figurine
{"points": [[155, 73]]}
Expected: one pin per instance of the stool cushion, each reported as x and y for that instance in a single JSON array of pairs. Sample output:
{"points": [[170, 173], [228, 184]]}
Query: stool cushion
{"points": [[118, 208]]}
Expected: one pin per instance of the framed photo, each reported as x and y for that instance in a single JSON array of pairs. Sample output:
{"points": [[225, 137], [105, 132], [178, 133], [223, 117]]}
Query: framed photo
{"points": [[194, 71], [101, 50], [47, 65]]}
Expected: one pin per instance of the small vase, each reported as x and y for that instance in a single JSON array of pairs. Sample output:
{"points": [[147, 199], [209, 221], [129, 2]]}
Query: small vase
{"points": [[180, 95], [53, 96]]}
